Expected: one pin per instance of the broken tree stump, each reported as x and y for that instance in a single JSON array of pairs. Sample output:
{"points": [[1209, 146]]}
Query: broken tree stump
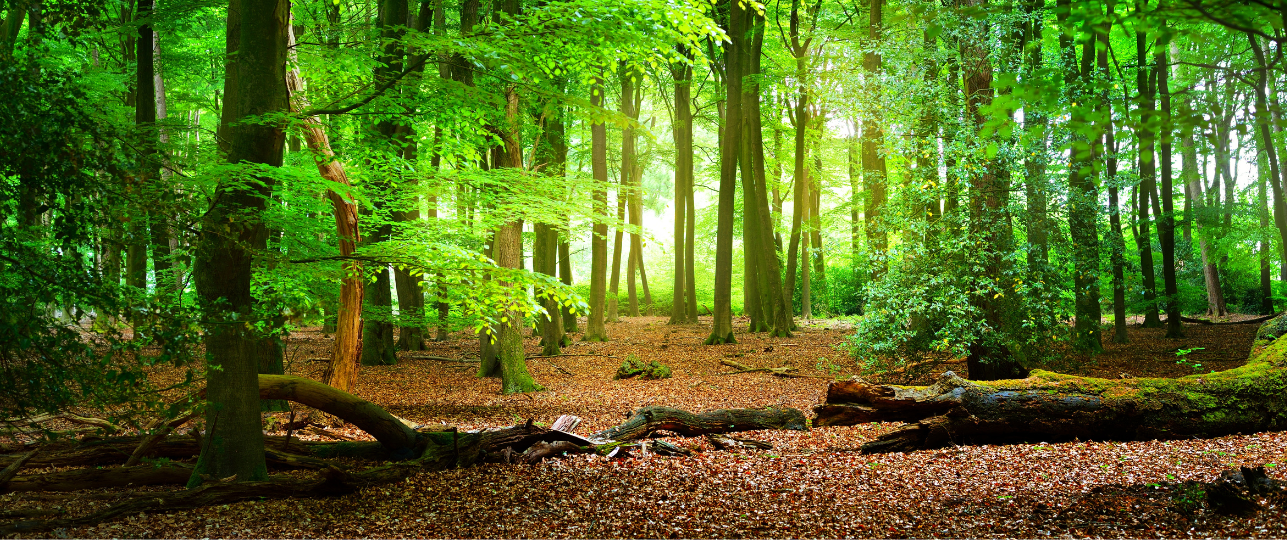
{"points": [[1052, 406]]}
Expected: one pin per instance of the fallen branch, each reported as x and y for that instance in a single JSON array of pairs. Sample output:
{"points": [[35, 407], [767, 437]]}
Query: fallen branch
{"points": [[647, 420], [78, 479], [1256, 320], [11, 471], [784, 371], [441, 359]]}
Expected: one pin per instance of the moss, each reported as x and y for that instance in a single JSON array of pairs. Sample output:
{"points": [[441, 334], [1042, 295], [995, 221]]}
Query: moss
{"points": [[633, 366]]}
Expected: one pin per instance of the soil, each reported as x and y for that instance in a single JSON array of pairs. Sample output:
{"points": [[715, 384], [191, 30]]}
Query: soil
{"points": [[811, 483]]}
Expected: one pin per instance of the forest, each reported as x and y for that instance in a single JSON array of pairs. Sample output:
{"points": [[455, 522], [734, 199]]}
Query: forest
{"points": [[382, 267]]}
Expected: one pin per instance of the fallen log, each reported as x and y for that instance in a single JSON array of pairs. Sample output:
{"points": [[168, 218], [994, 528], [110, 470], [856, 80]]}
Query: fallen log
{"points": [[647, 420], [1256, 320], [78, 479], [1052, 406], [398, 438]]}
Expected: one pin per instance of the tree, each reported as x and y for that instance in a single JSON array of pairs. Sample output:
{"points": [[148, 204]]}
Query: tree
{"points": [[730, 146], [254, 90], [595, 330], [682, 127]]}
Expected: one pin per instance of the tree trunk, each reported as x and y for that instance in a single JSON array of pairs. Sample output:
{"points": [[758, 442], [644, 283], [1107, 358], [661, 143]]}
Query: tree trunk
{"points": [[730, 145], [565, 277], [544, 255], [1192, 178], [1051, 406], [1116, 242], [346, 352], [1038, 125], [873, 157], [682, 129], [776, 300], [254, 85], [1083, 196], [1263, 120], [595, 329], [989, 356], [1147, 172], [1166, 226]]}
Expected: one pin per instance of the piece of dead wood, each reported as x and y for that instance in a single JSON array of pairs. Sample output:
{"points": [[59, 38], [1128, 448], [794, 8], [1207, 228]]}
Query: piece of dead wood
{"points": [[12, 470], [725, 442], [441, 359], [1256, 320], [647, 420], [78, 479], [784, 371], [915, 365], [151, 440], [328, 433], [542, 450], [70, 417], [566, 423]]}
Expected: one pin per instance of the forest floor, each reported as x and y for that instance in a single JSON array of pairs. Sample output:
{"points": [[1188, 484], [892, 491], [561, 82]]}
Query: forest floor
{"points": [[811, 484]]}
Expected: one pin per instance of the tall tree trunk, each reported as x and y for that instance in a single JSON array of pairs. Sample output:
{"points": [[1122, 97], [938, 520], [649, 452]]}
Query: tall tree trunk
{"points": [[989, 356], [1166, 226], [617, 245], [411, 294], [1116, 242], [514, 375], [565, 277], [1263, 119], [595, 329], [757, 304], [1147, 172], [1083, 196], [626, 194], [254, 85], [682, 129], [378, 347], [1037, 124], [799, 49], [873, 135], [776, 301], [551, 158], [730, 144]]}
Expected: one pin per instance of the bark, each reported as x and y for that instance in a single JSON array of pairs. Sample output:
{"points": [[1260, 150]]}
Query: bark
{"points": [[799, 47], [1083, 197], [647, 420], [1038, 125], [595, 330], [1051, 406], [411, 294], [1148, 174], [614, 289], [544, 253], [730, 145], [396, 437], [78, 479], [1196, 213], [683, 134], [1166, 226], [873, 156], [378, 345], [342, 370], [777, 300], [1263, 120], [1116, 241], [254, 85], [565, 277]]}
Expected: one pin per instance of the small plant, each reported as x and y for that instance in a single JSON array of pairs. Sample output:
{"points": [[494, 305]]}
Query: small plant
{"points": [[831, 368], [633, 366], [1188, 497], [1183, 355]]}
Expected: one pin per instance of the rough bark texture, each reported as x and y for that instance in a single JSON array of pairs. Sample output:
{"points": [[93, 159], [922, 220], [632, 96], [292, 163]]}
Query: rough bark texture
{"points": [[683, 135], [254, 85], [1052, 406], [730, 141]]}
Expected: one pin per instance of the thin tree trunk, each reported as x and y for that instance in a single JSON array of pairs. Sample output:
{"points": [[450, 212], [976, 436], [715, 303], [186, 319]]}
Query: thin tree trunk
{"points": [[342, 370], [595, 329], [873, 158], [1147, 172], [1116, 242], [1083, 197], [730, 144], [1166, 227], [682, 130]]}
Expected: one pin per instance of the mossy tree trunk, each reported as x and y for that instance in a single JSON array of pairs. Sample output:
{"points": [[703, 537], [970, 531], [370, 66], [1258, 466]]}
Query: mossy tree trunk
{"points": [[1051, 406]]}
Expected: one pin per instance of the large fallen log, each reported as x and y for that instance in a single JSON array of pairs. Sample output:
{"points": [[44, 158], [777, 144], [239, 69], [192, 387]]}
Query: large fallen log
{"points": [[1052, 406], [78, 479], [649, 419]]}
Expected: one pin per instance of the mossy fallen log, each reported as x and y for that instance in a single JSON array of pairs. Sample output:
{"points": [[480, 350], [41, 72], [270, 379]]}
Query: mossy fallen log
{"points": [[1052, 406]]}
